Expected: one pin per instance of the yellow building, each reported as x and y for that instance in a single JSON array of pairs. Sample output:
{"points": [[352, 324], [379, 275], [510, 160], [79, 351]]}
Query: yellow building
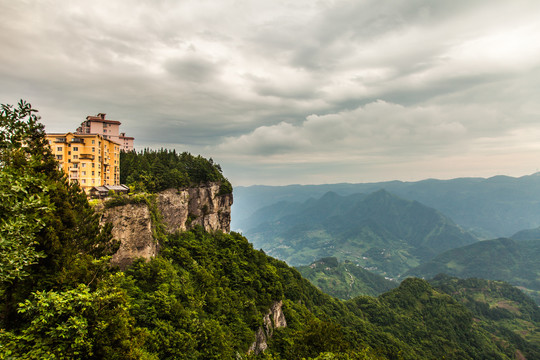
{"points": [[89, 159]]}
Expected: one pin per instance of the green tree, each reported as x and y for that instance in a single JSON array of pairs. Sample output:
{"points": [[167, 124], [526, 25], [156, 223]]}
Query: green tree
{"points": [[54, 256], [78, 323]]}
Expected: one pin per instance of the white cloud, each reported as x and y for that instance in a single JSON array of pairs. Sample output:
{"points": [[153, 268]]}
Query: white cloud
{"points": [[376, 129], [262, 84]]}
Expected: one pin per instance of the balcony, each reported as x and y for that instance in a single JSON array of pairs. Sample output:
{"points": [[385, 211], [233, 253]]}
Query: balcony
{"points": [[77, 141], [60, 140], [87, 157]]}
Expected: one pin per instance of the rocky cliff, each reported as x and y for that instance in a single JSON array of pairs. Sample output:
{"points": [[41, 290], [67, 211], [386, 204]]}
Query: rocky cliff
{"points": [[134, 224], [274, 319]]}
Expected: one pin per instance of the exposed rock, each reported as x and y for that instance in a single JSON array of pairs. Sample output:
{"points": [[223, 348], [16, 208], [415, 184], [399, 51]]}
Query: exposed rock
{"points": [[181, 209], [132, 225], [259, 345], [275, 318]]}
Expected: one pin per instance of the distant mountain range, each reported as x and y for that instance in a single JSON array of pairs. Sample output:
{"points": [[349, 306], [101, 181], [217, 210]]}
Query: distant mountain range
{"points": [[380, 231], [514, 261], [495, 207], [345, 280]]}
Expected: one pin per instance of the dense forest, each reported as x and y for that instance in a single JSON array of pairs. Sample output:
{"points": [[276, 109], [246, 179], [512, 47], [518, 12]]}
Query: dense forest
{"points": [[153, 171], [203, 297]]}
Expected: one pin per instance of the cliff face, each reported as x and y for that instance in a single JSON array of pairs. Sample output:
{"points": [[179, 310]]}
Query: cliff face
{"points": [[132, 225], [185, 208], [180, 210], [275, 318]]}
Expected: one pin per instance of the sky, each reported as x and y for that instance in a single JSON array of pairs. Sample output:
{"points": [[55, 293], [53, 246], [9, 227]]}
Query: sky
{"points": [[282, 92]]}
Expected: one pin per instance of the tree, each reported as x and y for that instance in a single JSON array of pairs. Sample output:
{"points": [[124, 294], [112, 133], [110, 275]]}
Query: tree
{"points": [[50, 237]]}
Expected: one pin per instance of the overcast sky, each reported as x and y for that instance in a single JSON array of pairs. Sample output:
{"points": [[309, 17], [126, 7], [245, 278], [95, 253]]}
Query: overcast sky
{"points": [[282, 92]]}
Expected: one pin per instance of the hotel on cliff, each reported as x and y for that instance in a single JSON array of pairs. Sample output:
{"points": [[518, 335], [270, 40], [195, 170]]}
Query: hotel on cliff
{"points": [[90, 156]]}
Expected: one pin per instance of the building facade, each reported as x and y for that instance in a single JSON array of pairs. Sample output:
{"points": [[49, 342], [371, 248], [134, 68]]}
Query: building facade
{"points": [[88, 159], [110, 129], [126, 142]]}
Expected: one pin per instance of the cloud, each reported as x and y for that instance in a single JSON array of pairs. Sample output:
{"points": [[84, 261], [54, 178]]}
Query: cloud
{"points": [[284, 86], [376, 129]]}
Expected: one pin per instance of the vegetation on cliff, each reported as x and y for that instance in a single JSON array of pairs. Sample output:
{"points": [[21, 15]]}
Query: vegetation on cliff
{"points": [[203, 297], [153, 171]]}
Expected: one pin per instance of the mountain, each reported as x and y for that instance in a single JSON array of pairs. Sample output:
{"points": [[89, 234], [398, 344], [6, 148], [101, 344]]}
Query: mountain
{"points": [[379, 231], [494, 207], [504, 311], [501, 259], [529, 234], [345, 280]]}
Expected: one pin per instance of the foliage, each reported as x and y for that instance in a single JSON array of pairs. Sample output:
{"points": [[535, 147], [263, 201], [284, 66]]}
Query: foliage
{"points": [[54, 253], [120, 200], [154, 171], [511, 317], [76, 323], [345, 280], [24, 202]]}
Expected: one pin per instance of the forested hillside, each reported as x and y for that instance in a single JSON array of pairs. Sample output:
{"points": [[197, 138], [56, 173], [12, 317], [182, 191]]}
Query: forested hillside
{"points": [[504, 311], [380, 232], [154, 171], [204, 296], [501, 259], [345, 280]]}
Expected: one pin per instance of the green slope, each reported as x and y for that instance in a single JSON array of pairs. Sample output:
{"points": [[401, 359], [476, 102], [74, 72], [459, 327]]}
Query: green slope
{"points": [[207, 294], [508, 314], [345, 280], [501, 259], [380, 232]]}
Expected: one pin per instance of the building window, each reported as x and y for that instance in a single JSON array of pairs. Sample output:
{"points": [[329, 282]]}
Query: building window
{"points": [[93, 142], [75, 156], [93, 165], [84, 172], [83, 181], [93, 149], [69, 152], [83, 164], [93, 173], [58, 157], [75, 148], [59, 148]]}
